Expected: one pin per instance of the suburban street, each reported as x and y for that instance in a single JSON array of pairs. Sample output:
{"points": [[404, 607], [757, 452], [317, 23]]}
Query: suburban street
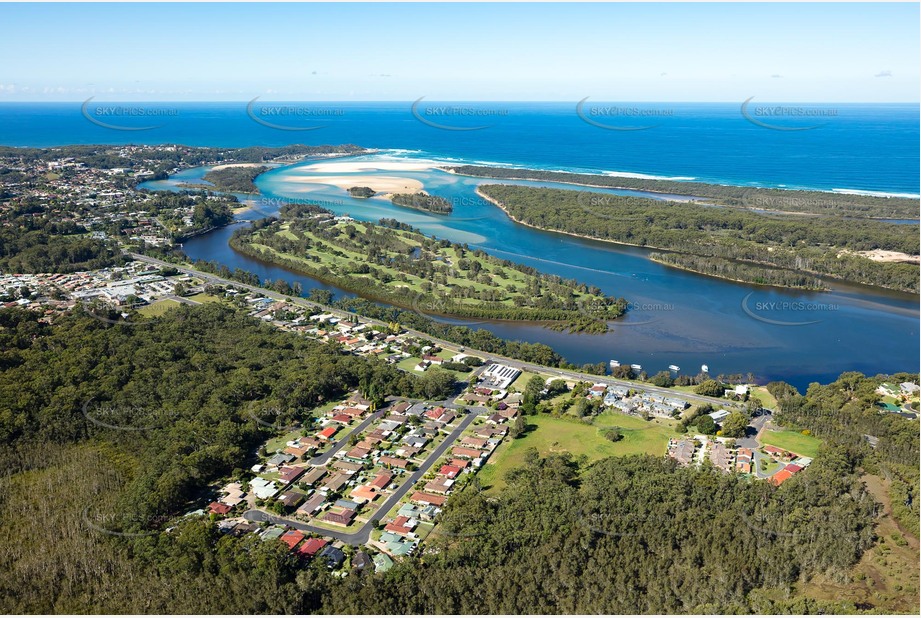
{"points": [[363, 535]]}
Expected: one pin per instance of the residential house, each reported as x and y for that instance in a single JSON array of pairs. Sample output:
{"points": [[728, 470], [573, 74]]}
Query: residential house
{"points": [[426, 499], [314, 475], [291, 538], [681, 451], [439, 486], [393, 462], [312, 505], [328, 433], [465, 453], [351, 467], [721, 457], [381, 481], [289, 475], [333, 556], [291, 498], [312, 546], [216, 508], [342, 517]]}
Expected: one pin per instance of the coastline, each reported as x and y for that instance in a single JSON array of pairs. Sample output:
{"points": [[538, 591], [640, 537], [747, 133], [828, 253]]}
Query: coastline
{"points": [[688, 197]]}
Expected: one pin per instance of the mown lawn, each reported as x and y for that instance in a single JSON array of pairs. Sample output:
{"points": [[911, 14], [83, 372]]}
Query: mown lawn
{"points": [[204, 298], [792, 441], [158, 308], [556, 435]]}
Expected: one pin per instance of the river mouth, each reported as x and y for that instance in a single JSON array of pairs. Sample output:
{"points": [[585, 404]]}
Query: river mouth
{"points": [[675, 318]]}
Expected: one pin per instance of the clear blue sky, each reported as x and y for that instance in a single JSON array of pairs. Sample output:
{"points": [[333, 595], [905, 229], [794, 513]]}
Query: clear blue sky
{"points": [[542, 52]]}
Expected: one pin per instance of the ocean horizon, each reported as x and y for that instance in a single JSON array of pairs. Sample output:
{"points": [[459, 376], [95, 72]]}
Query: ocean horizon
{"points": [[869, 148]]}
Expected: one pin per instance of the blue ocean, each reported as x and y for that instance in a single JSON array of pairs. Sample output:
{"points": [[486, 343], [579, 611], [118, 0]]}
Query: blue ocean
{"points": [[845, 147]]}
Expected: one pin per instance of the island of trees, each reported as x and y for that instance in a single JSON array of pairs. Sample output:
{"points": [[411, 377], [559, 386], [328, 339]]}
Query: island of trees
{"points": [[394, 263], [236, 178], [423, 201], [363, 192], [724, 242]]}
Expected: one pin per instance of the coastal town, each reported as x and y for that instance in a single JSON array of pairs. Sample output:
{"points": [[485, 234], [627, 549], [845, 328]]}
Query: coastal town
{"points": [[353, 485]]}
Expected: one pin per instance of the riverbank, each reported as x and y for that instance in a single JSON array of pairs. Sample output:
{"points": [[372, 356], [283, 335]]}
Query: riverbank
{"points": [[726, 245]]}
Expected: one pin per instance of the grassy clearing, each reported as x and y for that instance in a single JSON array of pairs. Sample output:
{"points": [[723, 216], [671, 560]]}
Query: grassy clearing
{"points": [[158, 308], [793, 441], [767, 399], [205, 298], [555, 435]]}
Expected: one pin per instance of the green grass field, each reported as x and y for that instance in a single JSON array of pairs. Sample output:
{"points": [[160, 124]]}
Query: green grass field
{"points": [[555, 435], [204, 298], [792, 441], [767, 399], [158, 308], [409, 364], [522, 381]]}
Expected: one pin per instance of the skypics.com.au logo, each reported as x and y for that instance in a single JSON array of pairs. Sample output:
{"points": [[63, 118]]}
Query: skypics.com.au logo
{"points": [[621, 117], [426, 114], [285, 117], [117, 117], [775, 117]]}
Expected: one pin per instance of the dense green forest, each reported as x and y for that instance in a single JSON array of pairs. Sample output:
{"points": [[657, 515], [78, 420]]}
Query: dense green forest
{"points": [[237, 179], [845, 413], [423, 201], [782, 200], [397, 264], [35, 241], [622, 535], [739, 271], [814, 245]]}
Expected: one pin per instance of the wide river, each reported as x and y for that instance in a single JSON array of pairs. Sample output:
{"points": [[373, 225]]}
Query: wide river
{"points": [[676, 317]]}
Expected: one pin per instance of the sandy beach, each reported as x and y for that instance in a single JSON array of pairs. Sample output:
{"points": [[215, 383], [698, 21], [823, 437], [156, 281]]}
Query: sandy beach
{"points": [[381, 184]]}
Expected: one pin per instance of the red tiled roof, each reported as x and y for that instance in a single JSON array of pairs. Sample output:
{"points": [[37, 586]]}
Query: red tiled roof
{"points": [[329, 432], [449, 471], [459, 451], [312, 546], [219, 509], [292, 537], [781, 476], [381, 480]]}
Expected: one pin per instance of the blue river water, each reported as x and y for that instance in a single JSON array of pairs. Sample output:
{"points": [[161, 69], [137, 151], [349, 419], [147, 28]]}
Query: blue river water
{"points": [[675, 318]]}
